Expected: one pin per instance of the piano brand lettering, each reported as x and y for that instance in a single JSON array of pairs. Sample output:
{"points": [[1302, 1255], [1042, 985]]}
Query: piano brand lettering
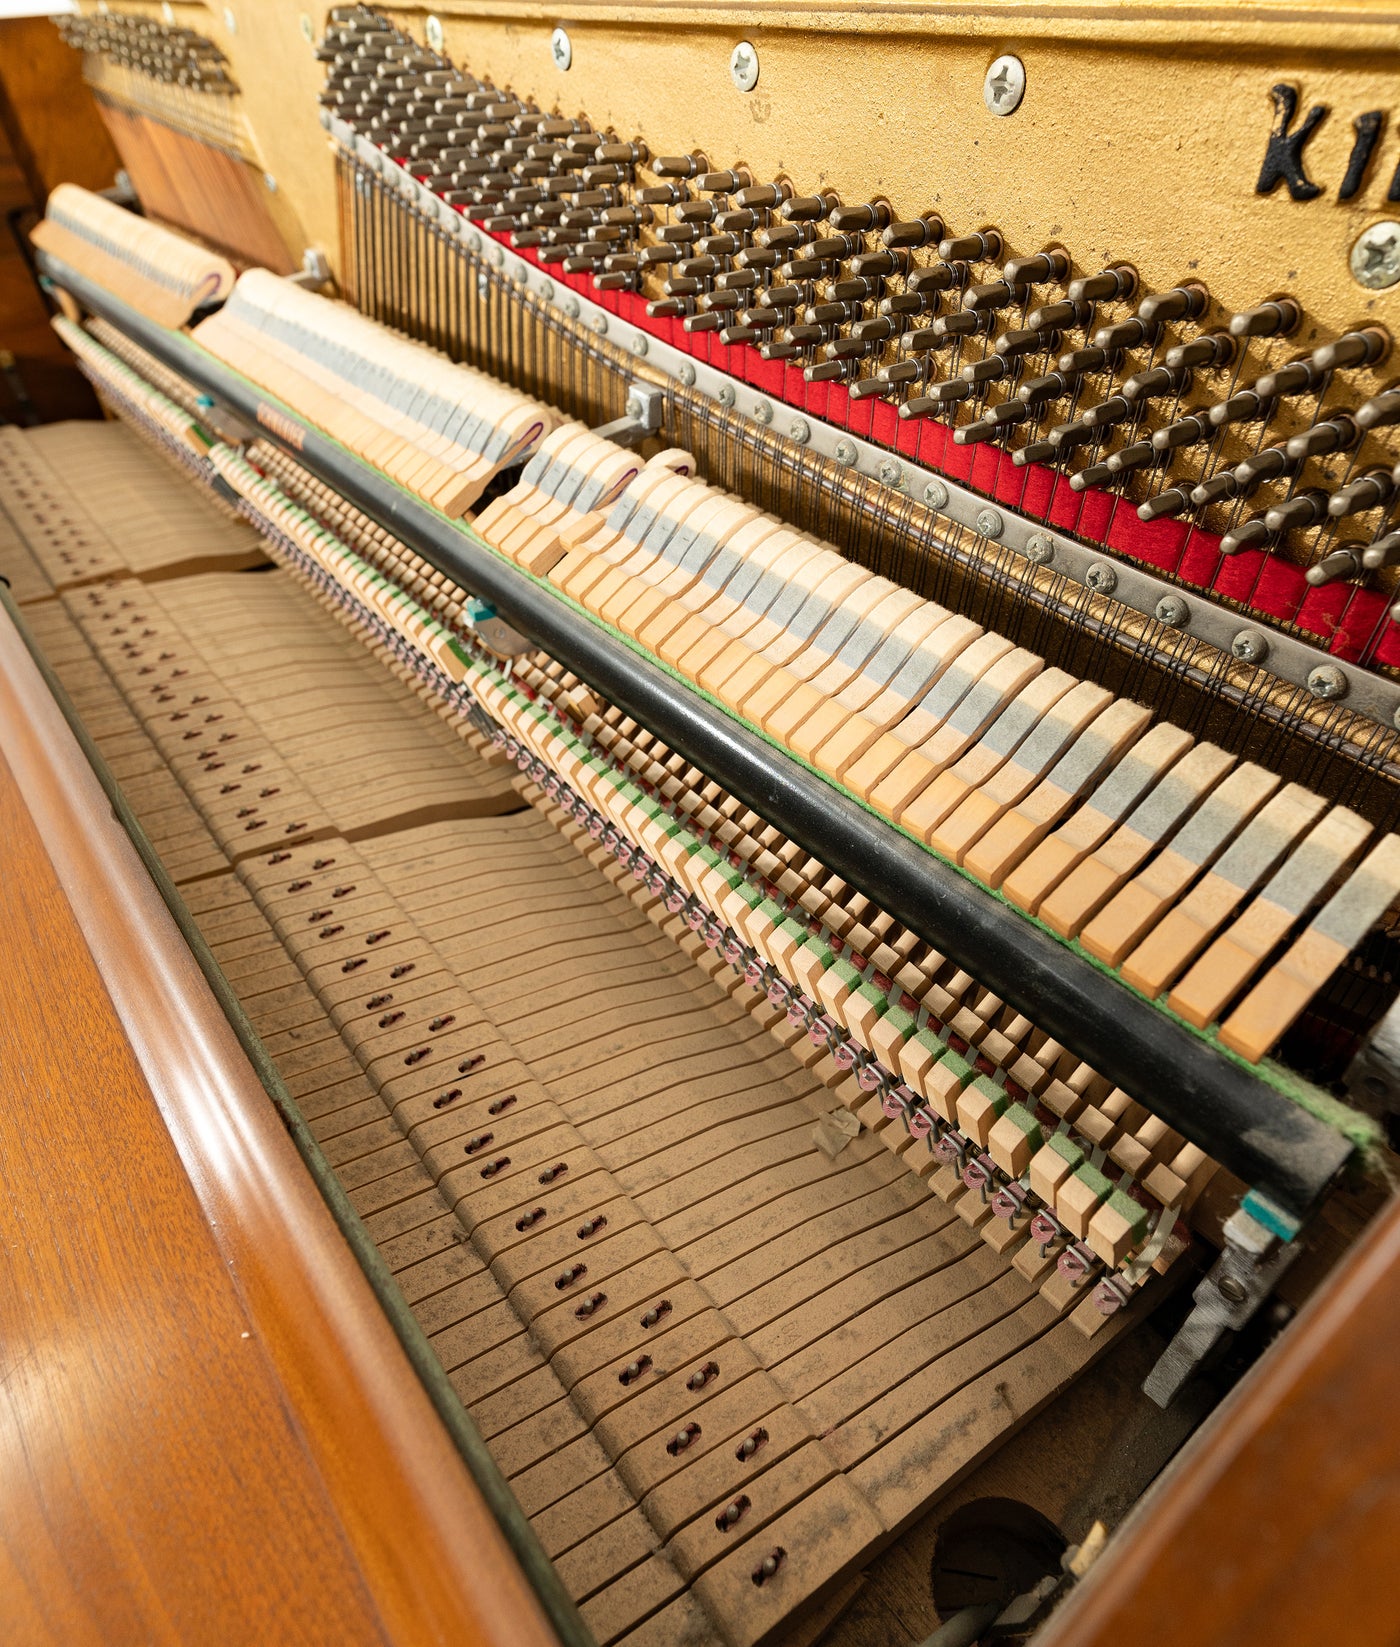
{"points": [[1285, 160]]}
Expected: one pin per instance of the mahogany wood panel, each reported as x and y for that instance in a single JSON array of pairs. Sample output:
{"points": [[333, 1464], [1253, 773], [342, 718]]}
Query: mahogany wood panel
{"points": [[1281, 1523], [48, 111], [208, 1432], [49, 130]]}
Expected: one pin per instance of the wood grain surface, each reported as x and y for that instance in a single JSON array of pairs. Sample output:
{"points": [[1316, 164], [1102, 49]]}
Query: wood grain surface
{"points": [[1281, 1522], [208, 1432]]}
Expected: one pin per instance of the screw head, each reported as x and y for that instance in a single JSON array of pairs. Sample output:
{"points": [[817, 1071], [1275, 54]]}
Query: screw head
{"points": [[1327, 682], [546, 290], [1173, 611], [1101, 578], [498, 256], [936, 495], [1249, 646], [891, 473], [473, 240], [726, 395], [800, 431], [1040, 548], [571, 307], [1005, 85], [1375, 258], [846, 452], [1232, 1289], [989, 523], [600, 325], [743, 66], [636, 407], [561, 50], [432, 33], [686, 374], [763, 411], [640, 344]]}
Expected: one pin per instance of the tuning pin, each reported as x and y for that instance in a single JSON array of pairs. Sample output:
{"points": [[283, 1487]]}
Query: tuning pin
{"points": [[762, 196], [1154, 383], [1039, 391], [1110, 411], [810, 208], [1131, 457], [1181, 303], [1218, 489], [1097, 474], [1380, 409], [859, 219], [1271, 464], [1036, 270], [988, 427], [1276, 318], [905, 371], [663, 194], [1363, 348], [1175, 500], [1345, 561], [919, 231], [1025, 340], [1299, 512], [722, 182], [831, 371], [963, 324], [1337, 434], [1385, 551], [971, 248], [1250, 534], [1186, 431], [992, 294], [1104, 287], [938, 396], [784, 237], [1064, 314], [943, 277], [1211, 349], [1243, 407], [1368, 491], [1082, 361], [1126, 334], [987, 370], [1064, 437], [681, 165]]}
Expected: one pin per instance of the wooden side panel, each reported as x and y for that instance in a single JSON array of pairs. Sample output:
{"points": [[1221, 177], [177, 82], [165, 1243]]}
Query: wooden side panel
{"points": [[48, 113], [1282, 1521]]}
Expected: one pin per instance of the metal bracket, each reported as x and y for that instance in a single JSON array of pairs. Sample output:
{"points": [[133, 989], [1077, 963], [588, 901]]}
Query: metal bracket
{"points": [[1372, 1079], [315, 271], [1227, 1299], [495, 634], [645, 403]]}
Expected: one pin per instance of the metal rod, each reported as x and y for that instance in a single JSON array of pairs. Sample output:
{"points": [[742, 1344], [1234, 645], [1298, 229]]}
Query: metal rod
{"points": [[1256, 1132]]}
